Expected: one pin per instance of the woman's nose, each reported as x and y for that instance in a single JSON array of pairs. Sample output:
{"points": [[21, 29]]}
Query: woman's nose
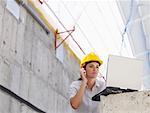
{"points": [[94, 68]]}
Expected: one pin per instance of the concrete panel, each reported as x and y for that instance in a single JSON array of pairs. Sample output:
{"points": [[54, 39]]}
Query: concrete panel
{"points": [[39, 31], [28, 42], [26, 109], [1, 19], [5, 72], [56, 74], [10, 105], [57, 103], [15, 78], [51, 58], [13, 36], [52, 100], [63, 84], [25, 83], [31, 111], [137, 102], [29, 67], [19, 48], [73, 65], [62, 105], [51, 43], [6, 33], [14, 106], [5, 102], [59, 80], [38, 93], [3, 3], [40, 58]]}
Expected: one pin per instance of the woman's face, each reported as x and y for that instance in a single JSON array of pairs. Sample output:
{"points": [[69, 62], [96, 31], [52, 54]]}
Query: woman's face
{"points": [[92, 69]]}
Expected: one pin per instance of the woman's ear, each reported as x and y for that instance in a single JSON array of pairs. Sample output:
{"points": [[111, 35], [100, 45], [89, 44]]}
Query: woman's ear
{"points": [[84, 67]]}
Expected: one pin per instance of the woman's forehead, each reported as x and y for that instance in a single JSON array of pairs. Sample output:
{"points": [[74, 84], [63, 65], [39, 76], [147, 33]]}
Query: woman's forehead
{"points": [[93, 63]]}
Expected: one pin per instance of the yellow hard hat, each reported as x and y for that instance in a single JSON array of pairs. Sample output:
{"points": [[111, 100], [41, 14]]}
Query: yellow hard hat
{"points": [[90, 57]]}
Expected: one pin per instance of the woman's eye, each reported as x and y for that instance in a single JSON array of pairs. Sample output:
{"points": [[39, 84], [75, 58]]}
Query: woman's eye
{"points": [[91, 66]]}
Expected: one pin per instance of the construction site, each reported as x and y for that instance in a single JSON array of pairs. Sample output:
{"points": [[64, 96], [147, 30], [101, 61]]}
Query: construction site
{"points": [[43, 42]]}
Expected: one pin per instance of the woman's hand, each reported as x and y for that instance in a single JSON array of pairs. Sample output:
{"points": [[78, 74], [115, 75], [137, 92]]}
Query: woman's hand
{"points": [[77, 99], [83, 75]]}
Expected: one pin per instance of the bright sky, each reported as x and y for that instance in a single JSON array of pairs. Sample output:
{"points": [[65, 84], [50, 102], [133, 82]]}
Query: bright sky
{"points": [[98, 26]]}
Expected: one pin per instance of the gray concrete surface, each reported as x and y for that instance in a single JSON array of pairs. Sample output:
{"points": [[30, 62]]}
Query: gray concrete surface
{"points": [[134, 102], [29, 67]]}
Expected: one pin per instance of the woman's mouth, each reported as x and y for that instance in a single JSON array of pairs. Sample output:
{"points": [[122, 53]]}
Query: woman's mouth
{"points": [[94, 73]]}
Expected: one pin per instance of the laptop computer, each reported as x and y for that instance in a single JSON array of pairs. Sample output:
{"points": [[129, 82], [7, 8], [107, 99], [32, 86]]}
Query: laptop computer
{"points": [[123, 75]]}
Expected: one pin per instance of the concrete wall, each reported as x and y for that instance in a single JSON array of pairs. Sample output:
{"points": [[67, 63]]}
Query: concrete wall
{"points": [[29, 67], [134, 102]]}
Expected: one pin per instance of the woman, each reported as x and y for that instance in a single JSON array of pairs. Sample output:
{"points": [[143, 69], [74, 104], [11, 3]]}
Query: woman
{"points": [[82, 90]]}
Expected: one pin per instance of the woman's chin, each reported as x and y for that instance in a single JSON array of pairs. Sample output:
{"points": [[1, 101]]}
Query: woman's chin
{"points": [[93, 76]]}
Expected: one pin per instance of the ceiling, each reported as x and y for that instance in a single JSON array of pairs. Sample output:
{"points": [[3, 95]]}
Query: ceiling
{"points": [[98, 26]]}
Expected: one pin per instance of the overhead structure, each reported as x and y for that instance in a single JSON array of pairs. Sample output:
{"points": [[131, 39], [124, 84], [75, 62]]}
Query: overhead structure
{"points": [[136, 16]]}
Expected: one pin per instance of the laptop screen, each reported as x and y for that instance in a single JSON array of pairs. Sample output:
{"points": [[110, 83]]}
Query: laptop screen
{"points": [[124, 72]]}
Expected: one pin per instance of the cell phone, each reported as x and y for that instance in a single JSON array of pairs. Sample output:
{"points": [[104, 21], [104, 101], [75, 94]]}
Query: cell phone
{"points": [[84, 70]]}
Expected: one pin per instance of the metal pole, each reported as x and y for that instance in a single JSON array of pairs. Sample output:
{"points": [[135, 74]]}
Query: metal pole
{"points": [[33, 15]]}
